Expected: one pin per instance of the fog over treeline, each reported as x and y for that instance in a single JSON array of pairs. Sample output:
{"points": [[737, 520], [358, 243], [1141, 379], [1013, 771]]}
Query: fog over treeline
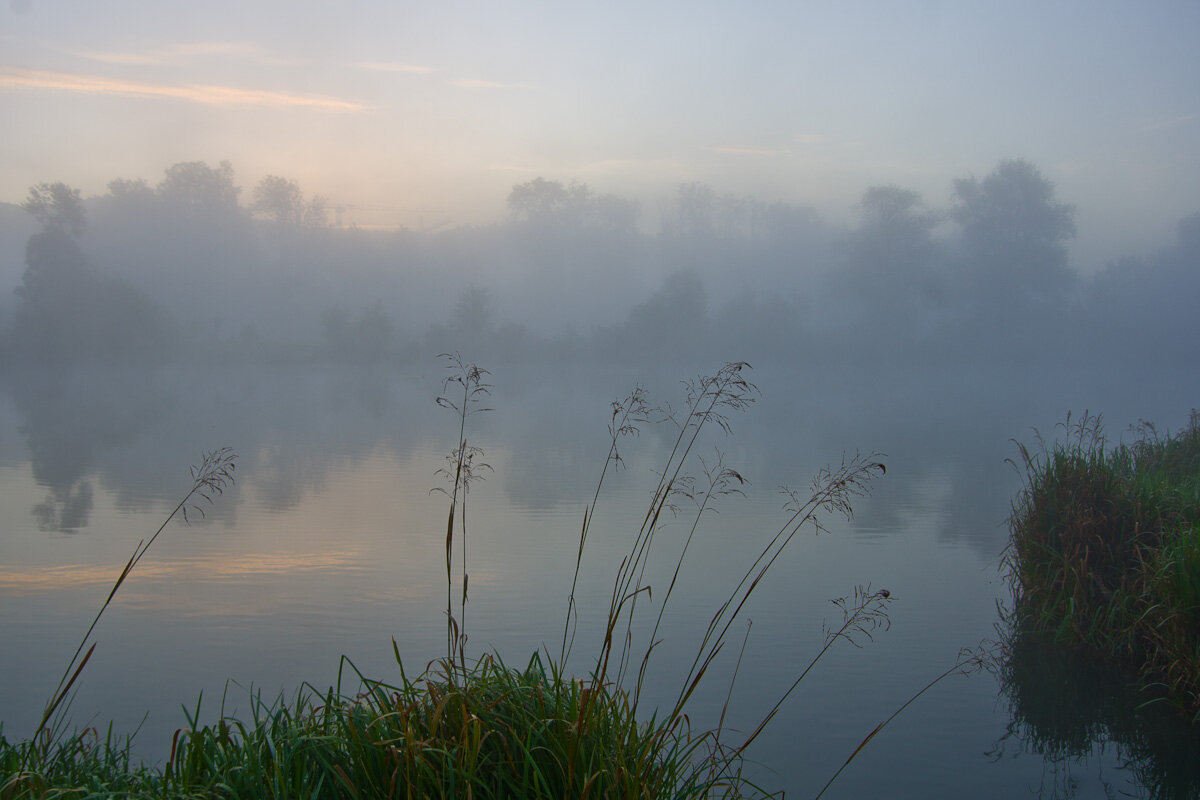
{"points": [[197, 267]]}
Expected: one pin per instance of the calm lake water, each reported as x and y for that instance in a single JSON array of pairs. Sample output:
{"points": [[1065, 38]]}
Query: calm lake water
{"points": [[331, 544]]}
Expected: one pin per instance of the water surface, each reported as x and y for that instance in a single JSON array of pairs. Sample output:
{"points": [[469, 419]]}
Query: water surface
{"points": [[331, 544]]}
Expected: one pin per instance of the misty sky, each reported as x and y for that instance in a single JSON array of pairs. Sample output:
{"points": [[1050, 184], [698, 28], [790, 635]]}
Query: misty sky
{"points": [[419, 114]]}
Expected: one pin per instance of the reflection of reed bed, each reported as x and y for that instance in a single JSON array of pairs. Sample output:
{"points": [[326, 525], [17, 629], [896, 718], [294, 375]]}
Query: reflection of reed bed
{"points": [[1066, 705], [1105, 551], [473, 726]]}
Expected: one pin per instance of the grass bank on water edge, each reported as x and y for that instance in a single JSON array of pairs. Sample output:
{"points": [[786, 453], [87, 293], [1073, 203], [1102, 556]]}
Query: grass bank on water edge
{"points": [[1105, 551], [486, 731]]}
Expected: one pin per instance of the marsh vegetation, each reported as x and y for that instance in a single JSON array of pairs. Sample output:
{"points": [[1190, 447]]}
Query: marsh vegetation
{"points": [[1105, 551]]}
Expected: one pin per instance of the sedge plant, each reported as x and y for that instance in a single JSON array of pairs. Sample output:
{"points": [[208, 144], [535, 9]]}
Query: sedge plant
{"points": [[463, 390], [1105, 551]]}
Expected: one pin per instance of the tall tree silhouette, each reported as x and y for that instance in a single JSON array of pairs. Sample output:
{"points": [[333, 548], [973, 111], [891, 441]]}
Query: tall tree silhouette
{"points": [[65, 312], [1014, 235], [889, 273], [52, 298]]}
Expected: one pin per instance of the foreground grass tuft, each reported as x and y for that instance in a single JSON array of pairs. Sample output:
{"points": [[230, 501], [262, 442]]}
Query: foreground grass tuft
{"points": [[486, 731], [1105, 551]]}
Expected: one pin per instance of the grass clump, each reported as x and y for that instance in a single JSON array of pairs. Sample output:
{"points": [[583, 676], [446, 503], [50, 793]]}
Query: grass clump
{"points": [[1105, 551], [82, 764], [485, 731]]}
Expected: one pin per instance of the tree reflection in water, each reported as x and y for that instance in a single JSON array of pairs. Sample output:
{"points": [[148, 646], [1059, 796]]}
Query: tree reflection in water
{"points": [[1069, 707]]}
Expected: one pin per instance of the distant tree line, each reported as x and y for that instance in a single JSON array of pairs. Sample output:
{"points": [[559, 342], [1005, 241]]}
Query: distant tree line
{"points": [[184, 269]]}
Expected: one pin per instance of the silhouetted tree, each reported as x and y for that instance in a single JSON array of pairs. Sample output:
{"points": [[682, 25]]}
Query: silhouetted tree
{"points": [[889, 271], [473, 312], [889, 212], [1142, 309], [672, 322], [66, 312], [57, 207], [470, 326], [570, 243], [53, 296], [1014, 235], [281, 201], [699, 213], [196, 186], [550, 204], [541, 199], [694, 214], [125, 190], [278, 199], [369, 338]]}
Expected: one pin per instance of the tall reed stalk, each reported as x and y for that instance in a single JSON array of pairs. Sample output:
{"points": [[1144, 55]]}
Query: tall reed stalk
{"points": [[628, 415], [209, 479], [466, 383], [710, 402]]}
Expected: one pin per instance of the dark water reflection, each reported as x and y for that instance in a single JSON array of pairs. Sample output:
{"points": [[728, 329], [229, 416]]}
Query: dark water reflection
{"points": [[1067, 705], [321, 549], [70, 419]]}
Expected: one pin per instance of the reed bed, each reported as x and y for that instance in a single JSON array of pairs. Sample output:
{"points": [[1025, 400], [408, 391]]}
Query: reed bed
{"points": [[473, 726], [1105, 551]]}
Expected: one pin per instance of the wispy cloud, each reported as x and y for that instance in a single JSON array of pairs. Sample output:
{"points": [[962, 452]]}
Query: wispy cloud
{"points": [[124, 59], [475, 83], [215, 49], [14, 78], [388, 66], [810, 138], [175, 53], [30, 580], [744, 151]]}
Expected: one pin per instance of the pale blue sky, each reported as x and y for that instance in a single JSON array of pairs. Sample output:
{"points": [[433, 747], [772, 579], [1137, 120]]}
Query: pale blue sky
{"points": [[439, 108]]}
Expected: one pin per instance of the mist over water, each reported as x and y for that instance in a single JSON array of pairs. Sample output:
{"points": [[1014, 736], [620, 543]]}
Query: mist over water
{"points": [[329, 543], [156, 322], [931, 228], [195, 268]]}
